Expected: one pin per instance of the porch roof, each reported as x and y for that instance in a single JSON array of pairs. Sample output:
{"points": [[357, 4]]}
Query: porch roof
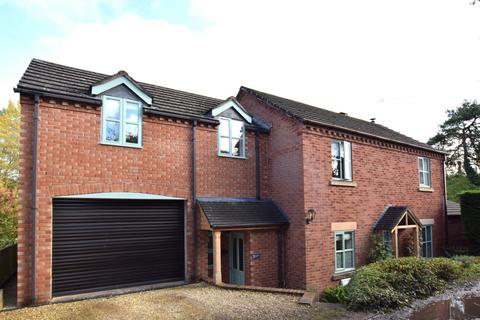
{"points": [[241, 213], [392, 217]]}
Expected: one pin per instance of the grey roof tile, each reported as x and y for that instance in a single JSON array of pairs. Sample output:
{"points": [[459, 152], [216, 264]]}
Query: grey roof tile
{"points": [[305, 112], [225, 212], [391, 217]]}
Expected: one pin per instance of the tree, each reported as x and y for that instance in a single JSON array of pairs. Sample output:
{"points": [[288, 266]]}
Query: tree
{"points": [[459, 136], [9, 145]]}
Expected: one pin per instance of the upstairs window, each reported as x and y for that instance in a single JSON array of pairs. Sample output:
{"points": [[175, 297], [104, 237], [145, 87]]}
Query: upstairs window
{"points": [[341, 160], [231, 138], [424, 172], [121, 122]]}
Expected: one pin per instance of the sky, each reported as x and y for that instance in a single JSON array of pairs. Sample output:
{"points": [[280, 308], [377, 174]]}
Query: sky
{"points": [[402, 62]]}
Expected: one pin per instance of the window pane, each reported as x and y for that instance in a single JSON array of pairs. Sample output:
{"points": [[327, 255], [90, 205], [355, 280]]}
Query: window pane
{"points": [[225, 145], [237, 129], [240, 254], [424, 250], [112, 131], [349, 259], [420, 164], [131, 133], [429, 233], [112, 109], [423, 237], [429, 250], [339, 260], [237, 147], [422, 180], [339, 242], [223, 128], [335, 150], [132, 115], [336, 168], [348, 240]]}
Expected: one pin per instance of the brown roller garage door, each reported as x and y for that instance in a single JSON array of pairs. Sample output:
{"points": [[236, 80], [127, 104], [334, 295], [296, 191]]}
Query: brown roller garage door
{"points": [[104, 244]]}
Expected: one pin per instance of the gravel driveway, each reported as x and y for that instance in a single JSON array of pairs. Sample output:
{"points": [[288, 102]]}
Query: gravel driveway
{"points": [[196, 301]]}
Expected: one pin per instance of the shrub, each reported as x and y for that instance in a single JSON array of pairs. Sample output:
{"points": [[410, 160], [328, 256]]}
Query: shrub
{"points": [[378, 250], [467, 261], [336, 294], [446, 269], [470, 204], [369, 289]]}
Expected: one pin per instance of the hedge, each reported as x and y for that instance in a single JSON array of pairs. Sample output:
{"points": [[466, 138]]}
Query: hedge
{"points": [[470, 206]]}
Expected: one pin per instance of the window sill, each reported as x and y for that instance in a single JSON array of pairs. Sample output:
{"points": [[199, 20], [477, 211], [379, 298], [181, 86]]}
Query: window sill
{"points": [[120, 145], [342, 183], [342, 275], [425, 189], [231, 157]]}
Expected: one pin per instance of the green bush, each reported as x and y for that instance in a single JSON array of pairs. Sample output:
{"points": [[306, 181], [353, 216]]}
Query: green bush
{"points": [[369, 289], [395, 282], [467, 261], [378, 250], [470, 204], [336, 294]]}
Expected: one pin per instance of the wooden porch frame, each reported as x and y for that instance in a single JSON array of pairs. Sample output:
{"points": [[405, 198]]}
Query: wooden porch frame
{"points": [[407, 225]]}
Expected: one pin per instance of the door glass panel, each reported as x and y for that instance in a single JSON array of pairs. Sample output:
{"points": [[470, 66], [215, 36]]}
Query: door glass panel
{"points": [[240, 254], [234, 253], [112, 131]]}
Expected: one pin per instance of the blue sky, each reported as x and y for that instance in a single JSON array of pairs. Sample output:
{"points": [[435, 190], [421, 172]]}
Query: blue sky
{"points": [[402, 62]]}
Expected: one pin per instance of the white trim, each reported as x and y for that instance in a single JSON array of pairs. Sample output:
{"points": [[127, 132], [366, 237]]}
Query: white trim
{"points": [[120, 195], [98, 89], [427, 221], [230, 103]]}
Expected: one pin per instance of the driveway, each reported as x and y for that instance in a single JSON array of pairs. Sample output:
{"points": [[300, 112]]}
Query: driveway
{"points": [[196, 301]]}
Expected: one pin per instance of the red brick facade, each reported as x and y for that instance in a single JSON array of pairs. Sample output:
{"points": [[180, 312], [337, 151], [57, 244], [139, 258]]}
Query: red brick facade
{"points": [[295, 171]]}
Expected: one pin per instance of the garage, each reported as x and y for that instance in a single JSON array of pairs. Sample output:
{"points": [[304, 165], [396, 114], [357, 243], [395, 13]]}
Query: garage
{"points": [[107, 243]]}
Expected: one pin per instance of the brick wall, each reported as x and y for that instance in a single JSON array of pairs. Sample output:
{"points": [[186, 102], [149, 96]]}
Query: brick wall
{"points": [[384, 176], [285, 180], [264, 270], [71, 161]]}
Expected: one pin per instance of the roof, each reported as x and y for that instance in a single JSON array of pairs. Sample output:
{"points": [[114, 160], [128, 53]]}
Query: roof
{"points": [[453, 208], [58, 80], [391, 217], [308, 113], [233, 212]]}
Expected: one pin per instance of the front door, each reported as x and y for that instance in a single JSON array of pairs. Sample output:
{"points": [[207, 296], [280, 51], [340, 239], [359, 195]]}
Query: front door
{"points": [[237, 259]]}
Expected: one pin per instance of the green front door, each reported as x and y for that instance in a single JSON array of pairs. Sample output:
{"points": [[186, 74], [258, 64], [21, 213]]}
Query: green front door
{"points": [[237, 263]]}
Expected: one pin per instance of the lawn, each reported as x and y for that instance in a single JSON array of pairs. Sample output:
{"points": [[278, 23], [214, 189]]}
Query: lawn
{"points": [[196, 301]]}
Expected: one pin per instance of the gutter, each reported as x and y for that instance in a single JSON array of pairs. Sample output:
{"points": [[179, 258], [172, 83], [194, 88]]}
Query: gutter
{"points": [[257, 165], [445, 212], [36, 113], [194, 198]]}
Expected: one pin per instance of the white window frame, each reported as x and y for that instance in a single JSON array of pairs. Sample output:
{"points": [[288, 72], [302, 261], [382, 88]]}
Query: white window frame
{"points": [[425, 241], [424, 172], [345, 147], [123, 122], [230, 138], [343, 251]]}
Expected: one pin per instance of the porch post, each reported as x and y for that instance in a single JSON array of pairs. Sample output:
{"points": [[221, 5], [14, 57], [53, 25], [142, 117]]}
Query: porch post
{"points": [[395, 238], [217, 257]]}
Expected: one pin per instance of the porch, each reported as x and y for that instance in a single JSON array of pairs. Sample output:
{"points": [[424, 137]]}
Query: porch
{"points": [[241, 242]]}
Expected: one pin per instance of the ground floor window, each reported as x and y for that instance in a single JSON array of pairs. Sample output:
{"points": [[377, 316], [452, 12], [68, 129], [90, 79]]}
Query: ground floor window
{"points": [[344, 251], [427, 248]]}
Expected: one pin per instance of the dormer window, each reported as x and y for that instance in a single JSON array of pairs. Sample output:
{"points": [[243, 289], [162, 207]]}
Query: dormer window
{"points": [[231, 138], [121, 122]]}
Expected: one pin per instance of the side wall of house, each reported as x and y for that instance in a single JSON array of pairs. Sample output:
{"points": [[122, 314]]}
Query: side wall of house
{"points": [[72, 161], [285, 176], [385, 174]]}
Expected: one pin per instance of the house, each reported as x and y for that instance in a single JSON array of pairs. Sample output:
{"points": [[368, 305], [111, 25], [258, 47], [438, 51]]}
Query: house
{"points": [[456, 230], [125, 184]]}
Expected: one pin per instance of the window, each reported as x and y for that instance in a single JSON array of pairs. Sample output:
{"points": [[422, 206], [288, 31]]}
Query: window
{"points": [[387, 239], [342, 160], [231, 138], [210, 250], [344, 251], [121, 122], [424, 172], [427, 248]]}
